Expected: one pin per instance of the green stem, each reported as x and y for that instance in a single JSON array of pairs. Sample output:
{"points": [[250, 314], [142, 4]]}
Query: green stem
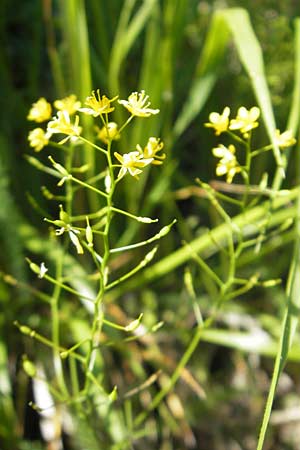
{"points": [[57, 290], [246, 173], [248, 222], [267, 148], [88, 186], [55, 329], [100, 149], [129, 274], [132, 216], [236, 138], [126, 123], [34, 335], [67, 288], [98, 314], [176, 374]]}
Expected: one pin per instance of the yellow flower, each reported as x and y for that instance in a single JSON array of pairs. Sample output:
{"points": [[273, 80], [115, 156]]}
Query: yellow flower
{"points": [[98, 105], [40, 111], [132, 162], [245, 120], [38, 139], [137, 104], [109, 133], [69, 104], [285, 139], [62, 124], [228, 164], [219, 122], [153, 146]]}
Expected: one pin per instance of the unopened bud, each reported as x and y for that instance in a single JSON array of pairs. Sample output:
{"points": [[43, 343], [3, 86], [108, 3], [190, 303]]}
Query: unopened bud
{"points": [[63, 215], [271, 283], [146, 220], [113, 394], [58, 167], [134, 324], [76, 242], [89, 234], [29, 367]]}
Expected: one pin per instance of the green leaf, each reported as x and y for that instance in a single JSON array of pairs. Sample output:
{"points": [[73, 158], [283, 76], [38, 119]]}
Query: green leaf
{"points": [[205, 245], [126, 34], [251, 57], [291, 314], [249, 342], [206, 74]]}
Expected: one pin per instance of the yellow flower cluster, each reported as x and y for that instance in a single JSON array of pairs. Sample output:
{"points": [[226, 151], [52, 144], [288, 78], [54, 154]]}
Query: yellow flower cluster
{"points": [[285, 139], [133, 162], [219, 122], [69, 104], [96, 105], [245, 121], [62, 125], [110, 132], [137, 104], [41, 112], [228, 164], [38, 139], [151, 149]]}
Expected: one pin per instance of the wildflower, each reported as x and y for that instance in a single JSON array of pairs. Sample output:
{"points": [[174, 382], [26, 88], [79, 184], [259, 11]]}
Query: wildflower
{"points": [[109, 133], [153, 146], [62, 124], [228, 163], [40, 111], [38, 139], [69, 104], [137, 104], [132, 162], [219, 122], [43, 270], [285, 139], [89, 233], [98, 105], [61, 170], [245, 120], [66, 227], [40, 270], [29, 367], [72, 235]]}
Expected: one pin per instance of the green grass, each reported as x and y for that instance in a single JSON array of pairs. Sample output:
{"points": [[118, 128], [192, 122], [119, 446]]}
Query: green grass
{"points": [[215, 351]]}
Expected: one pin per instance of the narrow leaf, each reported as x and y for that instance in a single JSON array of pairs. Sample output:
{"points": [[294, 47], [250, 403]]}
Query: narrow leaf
{"points": [[250, 54]]}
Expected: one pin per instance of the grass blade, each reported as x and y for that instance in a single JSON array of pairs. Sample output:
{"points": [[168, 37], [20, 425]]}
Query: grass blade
{"points": [[289, 325], [291, 315], [250, 54], [249, 342], [205, 244], [126, 35], [73, 18], [206, 73]]}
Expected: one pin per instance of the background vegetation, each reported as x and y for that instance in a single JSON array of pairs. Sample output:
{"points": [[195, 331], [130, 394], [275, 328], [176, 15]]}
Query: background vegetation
{"points": [[192, 58]]}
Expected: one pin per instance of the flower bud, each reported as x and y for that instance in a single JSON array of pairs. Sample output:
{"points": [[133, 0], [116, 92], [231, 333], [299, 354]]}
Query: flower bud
{"points": [[89, 234], [63, 215], [29, 367], [113, 394], [134, 324]]}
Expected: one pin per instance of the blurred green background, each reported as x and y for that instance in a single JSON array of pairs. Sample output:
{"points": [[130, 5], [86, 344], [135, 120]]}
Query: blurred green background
{"points": [[170, 49]]}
